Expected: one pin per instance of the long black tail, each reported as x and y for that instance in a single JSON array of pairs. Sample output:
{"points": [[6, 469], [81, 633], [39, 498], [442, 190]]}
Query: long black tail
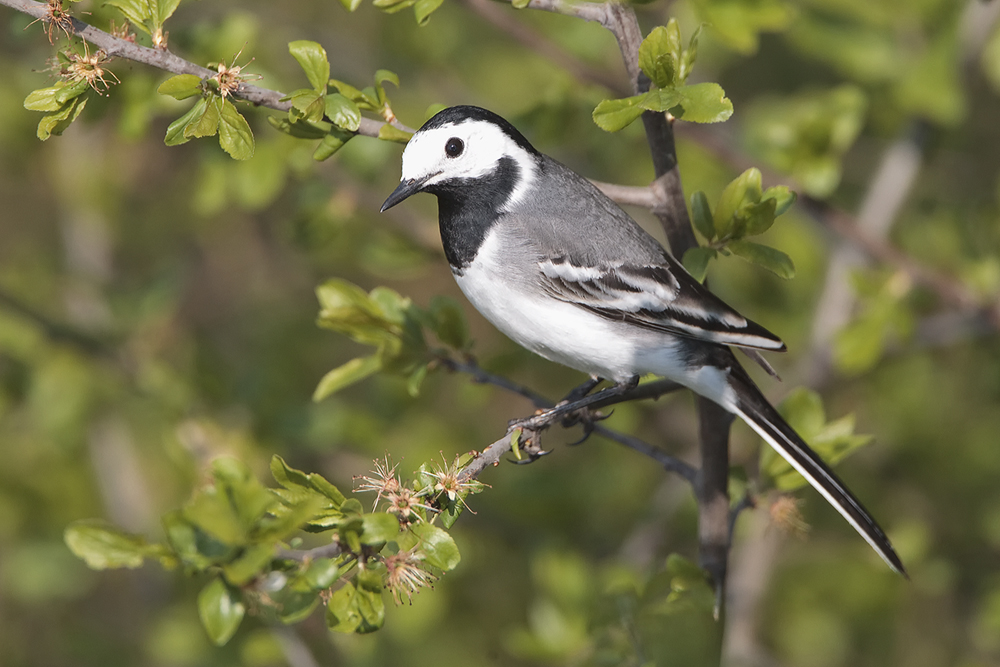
{"points": [[761, 416]]}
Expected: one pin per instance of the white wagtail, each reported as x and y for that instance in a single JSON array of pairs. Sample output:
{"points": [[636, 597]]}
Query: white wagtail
{"points": [[562, 270]]}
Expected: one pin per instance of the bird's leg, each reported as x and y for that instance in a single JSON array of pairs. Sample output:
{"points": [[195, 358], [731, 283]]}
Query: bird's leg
{"points": [[545, 418], [579, 392]]}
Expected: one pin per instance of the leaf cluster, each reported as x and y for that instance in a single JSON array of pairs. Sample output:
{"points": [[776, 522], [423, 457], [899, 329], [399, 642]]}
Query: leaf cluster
{"points": [[61, 103], [744, 209], [333, 117], [394, 326], [212, 114], [663, 58], [237, 532]]}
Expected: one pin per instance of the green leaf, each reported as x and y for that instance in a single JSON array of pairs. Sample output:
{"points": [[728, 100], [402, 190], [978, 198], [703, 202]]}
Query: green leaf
{"points": [[70, 90], [378, 528], [176, 130], [353, 371], [658, 55], [614, 115], [43, 99], [103, 546], [343, 112], [782, 196], [690, 55], [322, 486], [368, 598], [756, 218], [701, 215], [423, 9], [307, 104], [136, 11], [660, 100], [312, 57], [353, 94], [235, 135], [181, 86], [287, 476], [389, 133], [342, 613], [250, 564], [207, 124], [56, 123], [220, 610], [437, 546], [393, 6], [704, 103], [162, 10], [350, 5], [55, 97], [195, 548], [290, 478], [764, 256], [295, 606], [696, 261], [331, 143], [744, 188], [520, 4], [321, 573]]}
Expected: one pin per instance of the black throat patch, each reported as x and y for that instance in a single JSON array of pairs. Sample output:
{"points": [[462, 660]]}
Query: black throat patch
{"points": [[468, 208]]}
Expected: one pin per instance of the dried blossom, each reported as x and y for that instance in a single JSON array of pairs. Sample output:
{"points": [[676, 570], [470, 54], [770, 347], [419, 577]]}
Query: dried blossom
{"points": [[406, 575]]}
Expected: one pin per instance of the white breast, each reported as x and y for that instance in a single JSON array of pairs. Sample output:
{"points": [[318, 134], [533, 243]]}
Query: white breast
{"points": [[559, 331]]}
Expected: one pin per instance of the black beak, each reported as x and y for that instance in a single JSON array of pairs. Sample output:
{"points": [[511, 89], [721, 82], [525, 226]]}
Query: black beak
{"points": [[406, 188]]}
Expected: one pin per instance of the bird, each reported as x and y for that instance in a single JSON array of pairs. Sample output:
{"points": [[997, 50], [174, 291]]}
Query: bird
{"points": [[566, 273]]}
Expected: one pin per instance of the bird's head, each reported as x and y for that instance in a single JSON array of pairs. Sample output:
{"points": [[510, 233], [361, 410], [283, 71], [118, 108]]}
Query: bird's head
{"points": [[463, 147]]}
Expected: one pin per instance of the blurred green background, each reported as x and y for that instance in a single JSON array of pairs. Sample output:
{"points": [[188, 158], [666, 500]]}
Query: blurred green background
{"points": [[157, 310]]}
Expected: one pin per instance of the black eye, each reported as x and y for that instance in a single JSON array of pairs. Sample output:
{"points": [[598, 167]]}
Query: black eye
{"points": [[454, 147]]}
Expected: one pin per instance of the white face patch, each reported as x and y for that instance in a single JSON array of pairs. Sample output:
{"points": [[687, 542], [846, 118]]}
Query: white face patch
{"points": [[483, 145]]}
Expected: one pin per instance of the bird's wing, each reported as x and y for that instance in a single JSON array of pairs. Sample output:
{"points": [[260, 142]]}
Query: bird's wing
{"points": [[660, 296]]}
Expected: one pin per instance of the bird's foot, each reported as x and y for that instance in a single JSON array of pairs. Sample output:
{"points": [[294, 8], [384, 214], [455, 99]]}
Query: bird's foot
{"points": [[586, 418], [527, 446]]}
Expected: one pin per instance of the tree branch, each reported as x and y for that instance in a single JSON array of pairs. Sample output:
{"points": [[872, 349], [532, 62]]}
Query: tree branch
{"points": [[163, 59], [491, 455]]}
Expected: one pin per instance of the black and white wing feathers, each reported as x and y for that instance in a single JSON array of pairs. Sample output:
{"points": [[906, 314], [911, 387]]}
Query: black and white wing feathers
{"points": [[661, 296]]}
